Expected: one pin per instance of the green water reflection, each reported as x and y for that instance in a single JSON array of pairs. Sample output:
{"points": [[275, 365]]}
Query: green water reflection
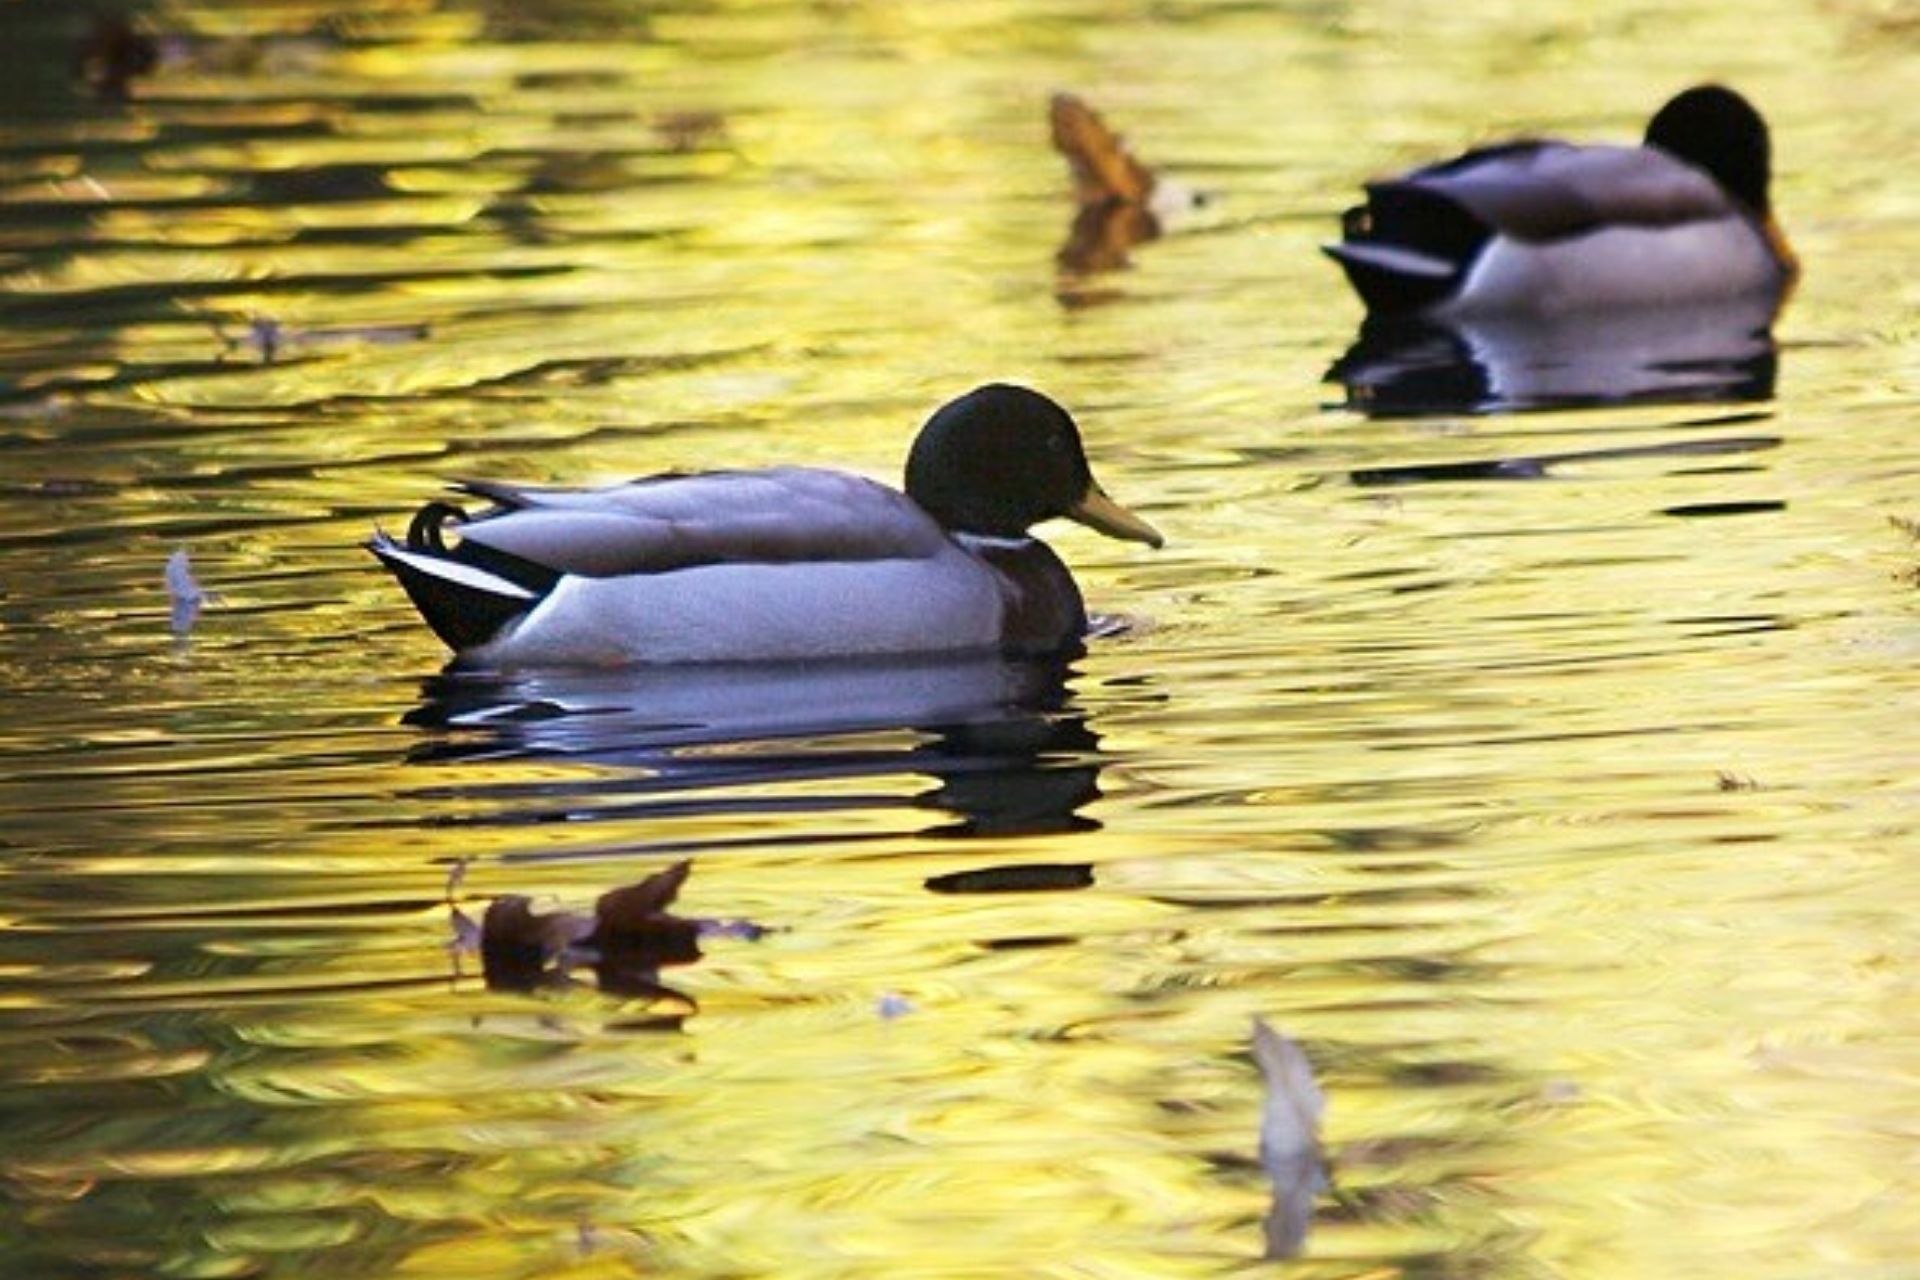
{"points": [[1548, 776]]}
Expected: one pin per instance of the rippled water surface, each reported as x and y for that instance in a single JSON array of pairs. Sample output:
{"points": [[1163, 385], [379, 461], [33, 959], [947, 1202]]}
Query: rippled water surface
{"points": [[1550, 777]]}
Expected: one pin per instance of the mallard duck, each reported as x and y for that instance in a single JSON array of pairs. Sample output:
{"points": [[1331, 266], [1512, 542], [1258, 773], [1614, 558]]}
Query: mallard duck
{"points": [[1546, 227], [782, 564]]}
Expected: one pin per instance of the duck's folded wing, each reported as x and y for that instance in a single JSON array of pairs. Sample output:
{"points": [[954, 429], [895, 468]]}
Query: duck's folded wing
{"points": [[1545, 190], [783, 516]]}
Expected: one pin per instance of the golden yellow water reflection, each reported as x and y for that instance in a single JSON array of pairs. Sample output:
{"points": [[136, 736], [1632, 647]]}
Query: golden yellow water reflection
{"points": [[1548, 777]]}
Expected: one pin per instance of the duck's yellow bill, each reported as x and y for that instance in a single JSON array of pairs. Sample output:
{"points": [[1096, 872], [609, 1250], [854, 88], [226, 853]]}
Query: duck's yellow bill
{"points": [[1097, 511]]}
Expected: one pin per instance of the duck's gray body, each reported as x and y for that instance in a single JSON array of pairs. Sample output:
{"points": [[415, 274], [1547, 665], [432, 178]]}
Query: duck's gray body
{"points": [[1548, 228], [784, 564]]}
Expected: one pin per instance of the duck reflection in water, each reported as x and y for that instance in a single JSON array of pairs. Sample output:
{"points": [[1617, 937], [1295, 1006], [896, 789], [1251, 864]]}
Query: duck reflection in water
{"points": [[1000, 735], [1716, 352]]}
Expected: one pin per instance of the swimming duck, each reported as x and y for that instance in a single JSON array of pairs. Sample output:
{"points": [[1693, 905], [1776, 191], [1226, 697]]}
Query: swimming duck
{"points": [[1544, 227], [782, 564]]}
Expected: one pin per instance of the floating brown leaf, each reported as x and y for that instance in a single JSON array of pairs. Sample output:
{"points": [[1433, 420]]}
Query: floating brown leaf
{"points": [[1103, 170], [633, 929], [634, 904], [628, 939], [515, 938]]}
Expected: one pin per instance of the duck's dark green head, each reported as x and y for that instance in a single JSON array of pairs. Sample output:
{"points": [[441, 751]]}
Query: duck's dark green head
{"points": [[1001, 459], [1715, 129]]}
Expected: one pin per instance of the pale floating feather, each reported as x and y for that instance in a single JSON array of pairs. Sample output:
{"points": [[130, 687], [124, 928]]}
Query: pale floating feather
{"points": [[1289, 1138], [185, 593]]}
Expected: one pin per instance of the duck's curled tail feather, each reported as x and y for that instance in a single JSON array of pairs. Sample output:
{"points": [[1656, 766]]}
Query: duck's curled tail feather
{"points": [[467, 593]]}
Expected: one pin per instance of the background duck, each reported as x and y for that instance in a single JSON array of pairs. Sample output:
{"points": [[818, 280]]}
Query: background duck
{"points": [[1546, 227], [780, 564]]}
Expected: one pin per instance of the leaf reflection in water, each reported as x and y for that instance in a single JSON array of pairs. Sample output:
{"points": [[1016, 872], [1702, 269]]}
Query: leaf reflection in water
{"points": [[1712, 352], [1008, 751]]}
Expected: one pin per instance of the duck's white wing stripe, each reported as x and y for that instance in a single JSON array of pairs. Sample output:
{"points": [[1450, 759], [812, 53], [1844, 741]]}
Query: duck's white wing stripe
{"points": [[465, 575], [1394, 258]]}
